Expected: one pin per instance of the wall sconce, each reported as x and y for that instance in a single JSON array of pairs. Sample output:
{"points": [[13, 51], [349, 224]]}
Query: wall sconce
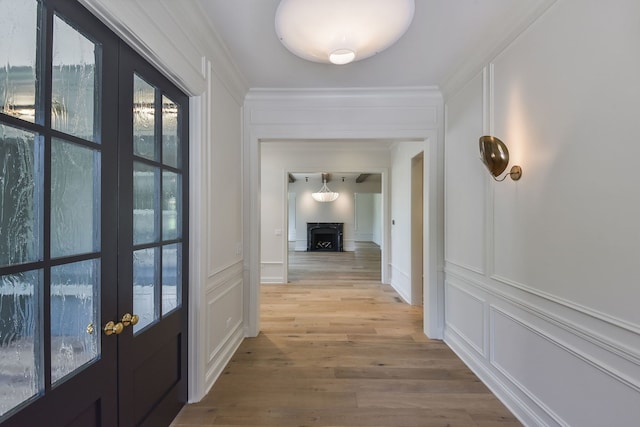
{"points": [[495, 156]]}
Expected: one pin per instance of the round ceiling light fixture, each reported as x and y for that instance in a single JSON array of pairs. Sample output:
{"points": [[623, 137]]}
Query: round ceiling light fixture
{"points": [[341, 31]]}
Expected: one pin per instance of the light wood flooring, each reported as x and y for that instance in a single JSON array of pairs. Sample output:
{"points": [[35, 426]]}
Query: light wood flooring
{"points": [[342, 349], [361, 264]]}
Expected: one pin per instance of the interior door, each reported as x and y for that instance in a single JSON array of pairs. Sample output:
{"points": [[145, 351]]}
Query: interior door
{"points": [[93, 187], [58, 253], [153, 243]]}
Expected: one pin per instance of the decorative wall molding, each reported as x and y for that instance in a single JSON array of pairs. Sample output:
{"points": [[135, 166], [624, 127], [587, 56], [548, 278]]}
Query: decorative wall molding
{"points": [[223, 275], [410, 117], [491, 48], [402, 96], [619, 323], [596, 338], [511, 400], [559, 343], [131, 21], [325, 123], [224, 355], [401, 282], [469, 268], [452, 302], [604, 362], [272, 272], [211, 310]]}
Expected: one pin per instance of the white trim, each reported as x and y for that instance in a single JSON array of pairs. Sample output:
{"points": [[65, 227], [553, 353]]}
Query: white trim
{"points": [[224, 356], [491, 48], [314, 110], [400, 282], [596, 338], [188, 76], [567, 348], [472, 269], [482, 351], [512, 401], [197, 246]]}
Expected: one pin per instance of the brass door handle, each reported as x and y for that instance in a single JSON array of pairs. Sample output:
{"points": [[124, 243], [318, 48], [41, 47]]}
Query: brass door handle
{"points": [[130, 319], [113, 328]]}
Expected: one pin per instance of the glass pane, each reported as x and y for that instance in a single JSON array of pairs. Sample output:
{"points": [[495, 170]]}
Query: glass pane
{"points": [[170, 139], [145, 203], [145, 302], [20, 196], [144, 112], [20, 347], [75, 83], [75, 317], [171, 204], [171, 277], [75, 197], [18, 76]]}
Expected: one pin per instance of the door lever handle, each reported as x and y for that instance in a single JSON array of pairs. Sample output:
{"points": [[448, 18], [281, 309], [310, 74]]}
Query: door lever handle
{"points": [[113, 328], [130, 319]]}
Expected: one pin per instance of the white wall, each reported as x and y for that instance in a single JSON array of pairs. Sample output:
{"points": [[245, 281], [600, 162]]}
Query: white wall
{"points": [[194, 59], [541, 274], [279, 158], [367, 225]]}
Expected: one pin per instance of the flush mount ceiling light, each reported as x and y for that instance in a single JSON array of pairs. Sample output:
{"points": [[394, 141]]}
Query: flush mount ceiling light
{"points": [[324, 194], [341, 31], [495, 156]]}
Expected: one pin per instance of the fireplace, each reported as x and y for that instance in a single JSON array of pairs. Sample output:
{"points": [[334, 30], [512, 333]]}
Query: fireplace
{"points": [[324, 236]]}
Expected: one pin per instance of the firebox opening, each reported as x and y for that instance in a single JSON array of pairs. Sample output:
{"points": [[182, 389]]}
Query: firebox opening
{"points": [[324, 236]]}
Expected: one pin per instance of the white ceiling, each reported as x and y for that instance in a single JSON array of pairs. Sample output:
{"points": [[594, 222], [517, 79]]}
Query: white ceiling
{"points": [[444, 34]]}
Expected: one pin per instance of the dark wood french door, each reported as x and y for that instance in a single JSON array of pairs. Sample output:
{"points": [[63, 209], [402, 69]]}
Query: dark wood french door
{"points": [[93, 225]]}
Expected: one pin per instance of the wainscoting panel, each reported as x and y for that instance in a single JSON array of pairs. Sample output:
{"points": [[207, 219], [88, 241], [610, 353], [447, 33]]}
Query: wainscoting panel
{"points": [[463, 309], [271, 272], [223, 327], [539, 364], [401, 282], [550, 363]]}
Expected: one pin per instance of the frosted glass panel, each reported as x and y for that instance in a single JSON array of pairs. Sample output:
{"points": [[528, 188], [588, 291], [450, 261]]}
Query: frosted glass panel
{"points": [[145, 278], [75, 194], [145, 203], [171, 277], [171, 201], [73, 104], [20, 198], [75, 317], [20, 345], [18, 76], [144, 120], [170, 139]]}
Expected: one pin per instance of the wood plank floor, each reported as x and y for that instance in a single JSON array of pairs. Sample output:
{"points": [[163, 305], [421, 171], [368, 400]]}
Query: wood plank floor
{"points": [[344, 351]]}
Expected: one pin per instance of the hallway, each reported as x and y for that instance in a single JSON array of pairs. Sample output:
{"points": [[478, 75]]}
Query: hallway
{"points": [[344, 352]]}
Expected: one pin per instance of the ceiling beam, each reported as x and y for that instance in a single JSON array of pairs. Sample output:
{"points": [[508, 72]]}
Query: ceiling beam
{"points": [[362, 177]]}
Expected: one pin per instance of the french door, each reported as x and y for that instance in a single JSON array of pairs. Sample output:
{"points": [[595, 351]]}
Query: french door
{"points": [[93, 196]]}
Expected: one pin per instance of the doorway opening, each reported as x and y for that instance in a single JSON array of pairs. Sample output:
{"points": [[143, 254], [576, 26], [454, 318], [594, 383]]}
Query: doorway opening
{"points": [[351, 226], [417, 229]]}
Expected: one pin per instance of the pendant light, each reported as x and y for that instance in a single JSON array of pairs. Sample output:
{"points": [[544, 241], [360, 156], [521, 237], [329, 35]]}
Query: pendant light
{"points": [[324, 194]]}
